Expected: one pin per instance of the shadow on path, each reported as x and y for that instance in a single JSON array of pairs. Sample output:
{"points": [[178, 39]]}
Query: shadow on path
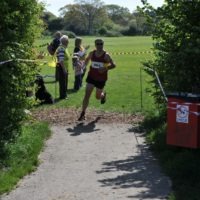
{"points": [[139, 171], [81, 128]]}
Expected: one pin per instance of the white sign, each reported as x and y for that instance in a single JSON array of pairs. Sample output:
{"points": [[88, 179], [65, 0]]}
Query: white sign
{"points": [[182, 113], [97, 65]]}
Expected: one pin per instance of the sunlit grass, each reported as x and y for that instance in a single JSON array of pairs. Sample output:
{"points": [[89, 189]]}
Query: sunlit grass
{"points": [[126, 85], [23, 155]]}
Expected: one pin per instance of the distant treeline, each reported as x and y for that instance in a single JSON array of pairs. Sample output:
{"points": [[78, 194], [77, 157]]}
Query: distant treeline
{"points": [[95, 18]]}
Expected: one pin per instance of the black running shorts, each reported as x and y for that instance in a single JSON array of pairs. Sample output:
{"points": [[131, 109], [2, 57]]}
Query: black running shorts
{"points": [[97, 84]]}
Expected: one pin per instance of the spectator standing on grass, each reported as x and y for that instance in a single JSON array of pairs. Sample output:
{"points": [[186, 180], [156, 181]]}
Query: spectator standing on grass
{"points": [[55, 43], [81, 51], [52, 47], [63, 66], [101, 62], [78, 67]]}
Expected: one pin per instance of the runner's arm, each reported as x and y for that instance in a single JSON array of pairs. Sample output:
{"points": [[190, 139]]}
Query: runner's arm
{"points": [[109, 60], [88, 58]]}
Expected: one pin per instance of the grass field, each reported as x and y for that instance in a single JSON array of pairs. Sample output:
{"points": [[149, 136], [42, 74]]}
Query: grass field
{"points": [[124, 84]]}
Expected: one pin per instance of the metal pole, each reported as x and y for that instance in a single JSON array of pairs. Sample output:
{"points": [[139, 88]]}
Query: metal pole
{"points": [[161, 87], [159, 83], [141, 93]]}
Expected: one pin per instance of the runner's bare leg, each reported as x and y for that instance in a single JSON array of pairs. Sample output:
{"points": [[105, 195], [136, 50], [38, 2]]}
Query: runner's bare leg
{"points": [[88, 92], [99, 93]]}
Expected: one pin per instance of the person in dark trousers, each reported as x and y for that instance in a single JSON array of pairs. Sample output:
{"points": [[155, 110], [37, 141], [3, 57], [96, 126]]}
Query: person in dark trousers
{"points": [[81, 52], [52, 47], [63, 66], [101, 63]]}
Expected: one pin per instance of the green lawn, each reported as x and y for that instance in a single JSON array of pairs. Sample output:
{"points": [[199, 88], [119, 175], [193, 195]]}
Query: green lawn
{"points": [[22, 155], [123, 86]]}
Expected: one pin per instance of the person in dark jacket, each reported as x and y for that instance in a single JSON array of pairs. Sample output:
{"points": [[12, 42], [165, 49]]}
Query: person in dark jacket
{"points": [[55, 43]]}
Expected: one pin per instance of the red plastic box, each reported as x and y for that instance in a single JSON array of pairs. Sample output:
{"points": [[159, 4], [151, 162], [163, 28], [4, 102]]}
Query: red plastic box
{"points": [[183, 121]]}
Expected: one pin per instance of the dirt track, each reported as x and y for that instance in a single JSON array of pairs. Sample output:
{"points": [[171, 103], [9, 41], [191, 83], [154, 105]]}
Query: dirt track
{"points": [[94, 161]]}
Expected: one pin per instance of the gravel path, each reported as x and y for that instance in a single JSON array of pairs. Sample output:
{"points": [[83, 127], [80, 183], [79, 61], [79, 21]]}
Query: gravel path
{"points": [[94, 161]]}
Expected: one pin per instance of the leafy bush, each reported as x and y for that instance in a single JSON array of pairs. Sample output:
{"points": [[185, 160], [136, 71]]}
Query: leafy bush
{"points": [[131, 30], [102, 31], [47, 33], [113, 34], [181, 164], [176, 29], [19, 28]]}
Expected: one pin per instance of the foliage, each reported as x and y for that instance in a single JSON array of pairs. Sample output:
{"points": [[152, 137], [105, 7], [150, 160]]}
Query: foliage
{"points": [[47, 17], [88, 17], [176, 30], [19, 28], [23, 154], [131, 30], [102, 31], [73, 20], [141, 23], [70, 34], [52, 22], [118, 14], [182, 165], [56, 24], [113, 34], [84, 16]]}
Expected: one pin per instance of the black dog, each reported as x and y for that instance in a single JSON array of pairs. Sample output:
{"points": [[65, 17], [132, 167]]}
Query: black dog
{"points": [[41, 92]]}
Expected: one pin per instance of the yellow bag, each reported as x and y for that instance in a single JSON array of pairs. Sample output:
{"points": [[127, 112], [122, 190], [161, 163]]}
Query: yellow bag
{"points": [[52, 63]]}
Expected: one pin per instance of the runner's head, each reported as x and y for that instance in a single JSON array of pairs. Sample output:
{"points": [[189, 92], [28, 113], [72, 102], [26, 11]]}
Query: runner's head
{"points": [[99, 44]]}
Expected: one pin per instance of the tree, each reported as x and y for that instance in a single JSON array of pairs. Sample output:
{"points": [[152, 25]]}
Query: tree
{"points": [[119, 15], [19, 28], [56, 24], [74, 19], [141, 26], [176, 30], [52, 22], [48, 16], [85, 15]]}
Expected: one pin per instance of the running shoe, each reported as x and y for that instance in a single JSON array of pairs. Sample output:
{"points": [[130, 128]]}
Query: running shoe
{"points": [[82, 116], [103, 99]]}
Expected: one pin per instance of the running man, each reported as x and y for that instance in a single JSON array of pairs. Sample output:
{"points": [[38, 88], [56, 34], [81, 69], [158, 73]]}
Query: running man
{"points": [[101, 62]]}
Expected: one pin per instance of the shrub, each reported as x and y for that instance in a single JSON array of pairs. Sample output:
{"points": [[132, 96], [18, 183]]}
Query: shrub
{"points": [[130, 31], [113, 34], [70, 34], [175, 29], [19, 28], [102, 31]]}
